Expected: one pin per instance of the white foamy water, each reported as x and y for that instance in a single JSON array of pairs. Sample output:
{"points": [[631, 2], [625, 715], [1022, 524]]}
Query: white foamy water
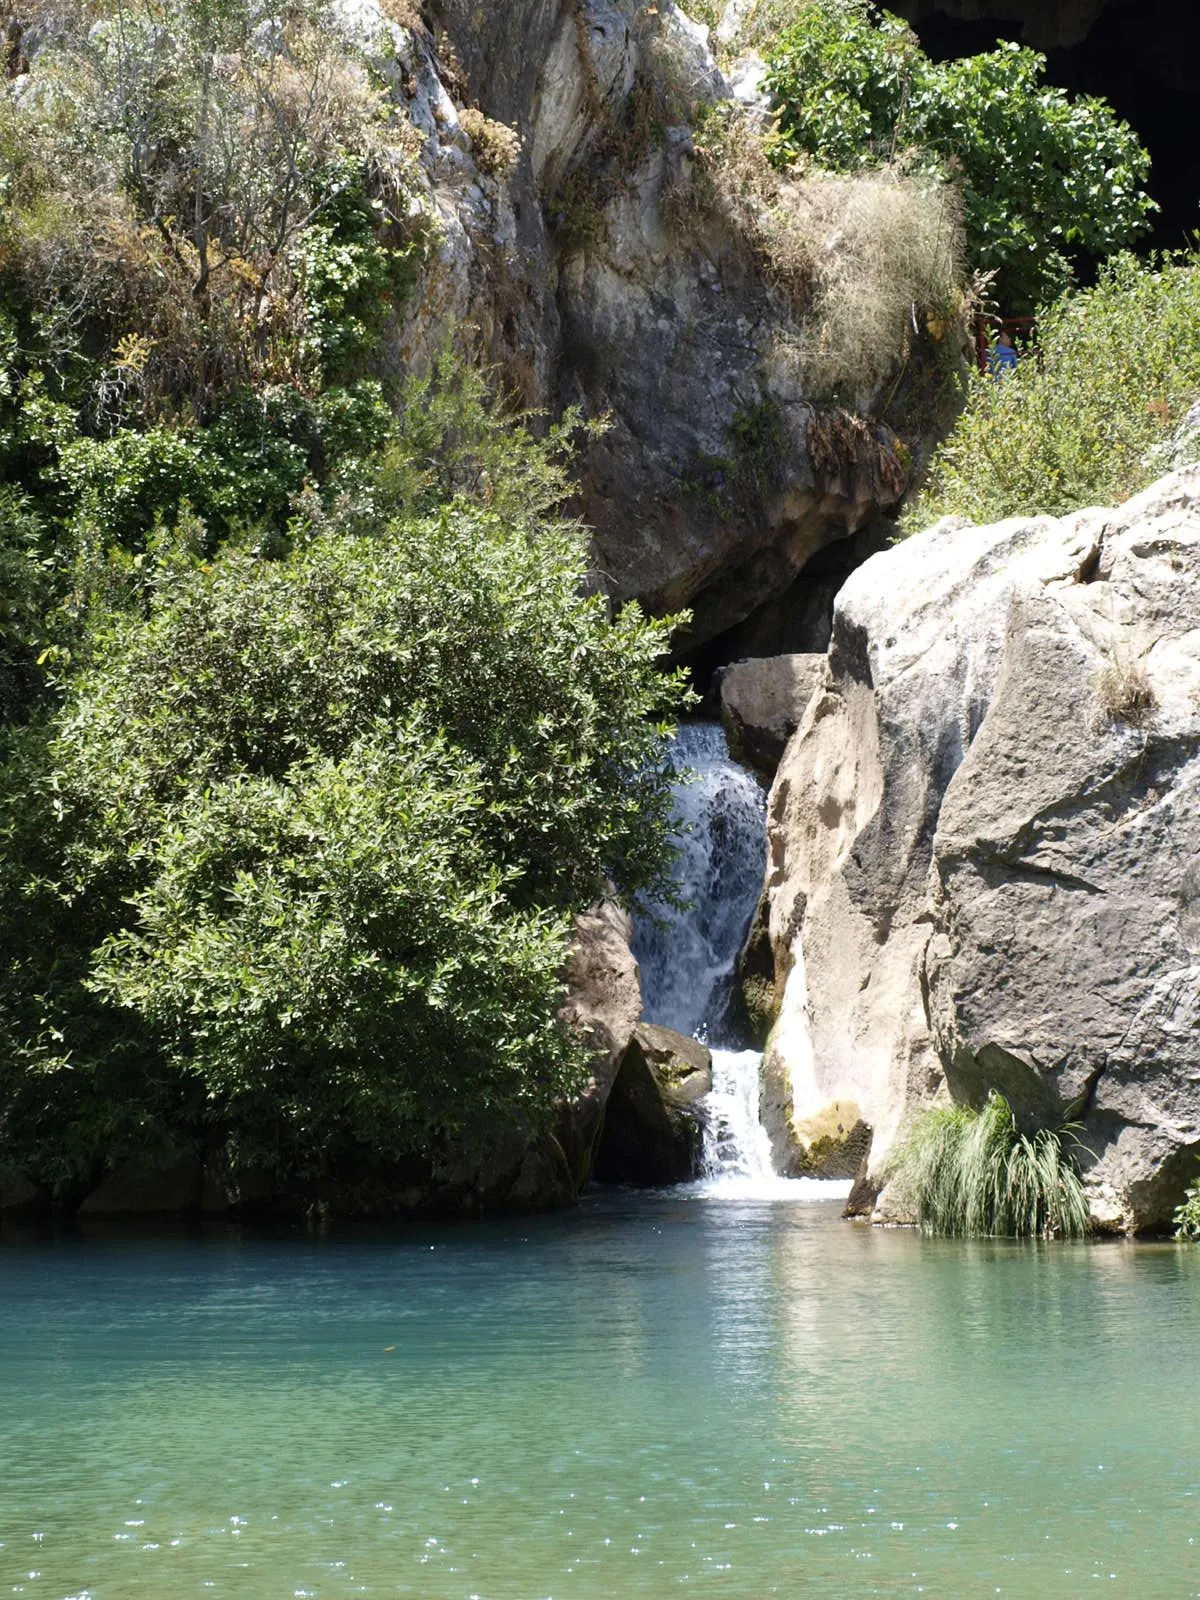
{"points": [[688, 960], [737, 1149]]}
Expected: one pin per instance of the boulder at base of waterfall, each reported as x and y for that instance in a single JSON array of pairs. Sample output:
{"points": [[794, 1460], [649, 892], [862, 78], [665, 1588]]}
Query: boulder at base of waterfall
{"points": [[604, 1001], [762, 703], [653, 1127], [832, 1141], [984, 844]]}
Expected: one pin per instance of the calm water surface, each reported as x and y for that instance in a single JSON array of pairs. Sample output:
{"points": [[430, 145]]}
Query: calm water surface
{"points": [[650, 1397]]}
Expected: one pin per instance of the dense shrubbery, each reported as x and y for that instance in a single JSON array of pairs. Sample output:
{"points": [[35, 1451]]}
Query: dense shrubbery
{"points": [[1086, 422], [311, 738], [293, 863], [204, 225], [973, 1174], [1044, 178]]}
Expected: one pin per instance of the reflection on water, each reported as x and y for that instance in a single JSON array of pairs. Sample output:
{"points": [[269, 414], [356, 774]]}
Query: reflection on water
{"points": [[647, 1396]]}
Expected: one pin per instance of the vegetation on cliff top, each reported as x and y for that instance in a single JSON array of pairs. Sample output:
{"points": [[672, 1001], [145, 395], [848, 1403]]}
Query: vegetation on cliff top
{"points": [[1044, 178], [1089, 419]]}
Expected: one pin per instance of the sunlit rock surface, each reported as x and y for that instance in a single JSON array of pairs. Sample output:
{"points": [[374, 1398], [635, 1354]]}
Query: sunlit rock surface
{"points": [[585, 275], [983, 842]]}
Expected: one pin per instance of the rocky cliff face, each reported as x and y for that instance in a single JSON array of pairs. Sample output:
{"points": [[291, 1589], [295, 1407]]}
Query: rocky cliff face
{"points": [[577, 249], [983, 845]]}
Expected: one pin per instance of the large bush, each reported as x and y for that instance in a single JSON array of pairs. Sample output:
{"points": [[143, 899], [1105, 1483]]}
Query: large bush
{"points": [[292, 866], [206, 224], [1088, 421], [1044, 178]]}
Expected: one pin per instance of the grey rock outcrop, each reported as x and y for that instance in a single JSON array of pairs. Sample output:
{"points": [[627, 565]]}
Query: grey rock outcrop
{"points": [[604, 1001], [983, 843], [653, 1131], [588, 272], [762, 703]]}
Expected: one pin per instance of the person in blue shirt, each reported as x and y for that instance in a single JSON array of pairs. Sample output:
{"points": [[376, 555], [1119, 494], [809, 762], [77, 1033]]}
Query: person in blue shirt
{"points": [[1003, 357]]}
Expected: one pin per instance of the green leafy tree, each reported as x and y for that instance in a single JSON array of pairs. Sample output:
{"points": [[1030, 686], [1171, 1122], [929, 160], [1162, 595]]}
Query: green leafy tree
{"points": [[294, 864], [1044, 178]]}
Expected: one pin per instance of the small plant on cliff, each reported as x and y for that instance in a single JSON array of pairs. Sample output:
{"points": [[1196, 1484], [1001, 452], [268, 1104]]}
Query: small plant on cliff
{"points": [[973, 1174], [1124, 694], [1187, 1215], [497, 147]]}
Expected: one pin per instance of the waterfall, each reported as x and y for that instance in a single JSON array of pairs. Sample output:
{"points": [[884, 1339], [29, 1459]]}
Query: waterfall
{"points": [[688, 959]]}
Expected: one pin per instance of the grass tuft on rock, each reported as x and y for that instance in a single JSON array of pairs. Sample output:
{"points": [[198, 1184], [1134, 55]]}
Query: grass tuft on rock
{"points": [[973, 1174]]}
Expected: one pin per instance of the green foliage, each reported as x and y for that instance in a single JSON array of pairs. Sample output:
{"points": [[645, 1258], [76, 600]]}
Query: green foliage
{"points": [[334, 954], [249, 665], [1043, 177], [293, 864], [756, 435], [841, 78], [973, 1174], [1087, 422], [1187, 1214], [26, 592]]}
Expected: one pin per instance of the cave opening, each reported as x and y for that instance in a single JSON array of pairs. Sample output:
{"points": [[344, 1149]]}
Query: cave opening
{"points": [[1143, 59]]}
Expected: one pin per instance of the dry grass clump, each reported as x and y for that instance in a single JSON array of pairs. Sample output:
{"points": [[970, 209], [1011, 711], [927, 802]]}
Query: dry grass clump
{"points": [[1124, 694], [497, 147], [871, 261], [888, 254], [405, 13]]}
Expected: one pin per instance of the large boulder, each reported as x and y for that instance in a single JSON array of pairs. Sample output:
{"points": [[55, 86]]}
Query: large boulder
{"points": [[604, 1001], [762, 703], [653, 1127], [984, 841]]}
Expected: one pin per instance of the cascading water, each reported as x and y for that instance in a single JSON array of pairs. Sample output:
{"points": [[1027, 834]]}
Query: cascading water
{"points": [[687, 959]]}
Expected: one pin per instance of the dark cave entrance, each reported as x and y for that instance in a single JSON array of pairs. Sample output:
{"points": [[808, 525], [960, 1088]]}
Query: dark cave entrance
{"points": [[1143, 58]]}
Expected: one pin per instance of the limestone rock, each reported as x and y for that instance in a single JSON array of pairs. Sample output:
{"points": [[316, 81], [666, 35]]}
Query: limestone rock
{"points": [[983, 841], [653, 1133], [604, 1001], [762, 703]]}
